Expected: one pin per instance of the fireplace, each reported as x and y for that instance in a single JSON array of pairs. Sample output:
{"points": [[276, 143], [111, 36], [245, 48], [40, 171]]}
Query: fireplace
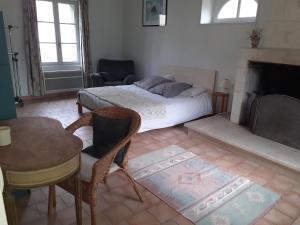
{"points": [[267, 98]]}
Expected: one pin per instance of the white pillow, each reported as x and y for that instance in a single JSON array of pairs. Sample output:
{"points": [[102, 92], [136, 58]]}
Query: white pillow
{"points": [[192, 92], [168, 76]]}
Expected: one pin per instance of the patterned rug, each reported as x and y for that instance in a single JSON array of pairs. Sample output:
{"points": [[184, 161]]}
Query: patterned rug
{"points": [[201, 192]]}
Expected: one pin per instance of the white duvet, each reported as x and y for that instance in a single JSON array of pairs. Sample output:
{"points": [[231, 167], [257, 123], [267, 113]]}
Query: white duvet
{"points": [[178, 110]]}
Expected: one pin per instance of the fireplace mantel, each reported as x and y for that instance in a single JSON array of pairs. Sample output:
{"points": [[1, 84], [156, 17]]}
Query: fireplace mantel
{"points": [[266, 55]]}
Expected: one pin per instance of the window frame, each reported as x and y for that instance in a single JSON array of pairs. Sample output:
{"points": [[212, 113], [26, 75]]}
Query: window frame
{"points": [[237, 19], [60, 65]]}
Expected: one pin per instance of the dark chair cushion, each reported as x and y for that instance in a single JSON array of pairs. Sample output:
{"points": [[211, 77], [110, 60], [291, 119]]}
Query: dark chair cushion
{"points": [[107, 133]]}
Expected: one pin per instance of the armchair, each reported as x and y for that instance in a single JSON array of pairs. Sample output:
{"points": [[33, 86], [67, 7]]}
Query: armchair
{"points": [[113, 72]]}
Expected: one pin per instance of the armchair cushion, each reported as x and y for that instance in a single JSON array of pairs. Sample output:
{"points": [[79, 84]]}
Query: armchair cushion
{"points": [[87, 163], [107, 132], [107, 77]]}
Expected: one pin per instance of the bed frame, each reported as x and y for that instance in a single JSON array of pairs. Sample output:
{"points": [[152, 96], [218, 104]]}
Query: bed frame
{"points": [[194, 76]]}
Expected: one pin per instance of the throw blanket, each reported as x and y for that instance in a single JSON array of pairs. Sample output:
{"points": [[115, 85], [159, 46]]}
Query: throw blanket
{"points": [[147, 108]]}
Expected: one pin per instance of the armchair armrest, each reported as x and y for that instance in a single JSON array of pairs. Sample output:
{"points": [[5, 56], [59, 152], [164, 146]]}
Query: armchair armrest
{"points": [[97, 79], [85, 120], [130, 79]]}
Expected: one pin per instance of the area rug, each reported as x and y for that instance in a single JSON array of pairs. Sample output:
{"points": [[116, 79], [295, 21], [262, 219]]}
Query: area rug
{"points": [[200, 191]]}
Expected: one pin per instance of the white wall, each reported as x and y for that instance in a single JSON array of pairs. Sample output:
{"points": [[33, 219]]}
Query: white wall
{"points": [[106, 18], [183, 41], [281, 22], [106, 22]]}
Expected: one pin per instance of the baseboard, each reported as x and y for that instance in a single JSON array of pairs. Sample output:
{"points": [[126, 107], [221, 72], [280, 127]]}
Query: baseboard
{"points": [[50, 96]]}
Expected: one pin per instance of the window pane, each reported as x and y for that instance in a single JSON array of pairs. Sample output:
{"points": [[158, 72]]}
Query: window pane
{"points": [[69, 52], [48, 52], [68, 33], [66, 13], [46, 32], [229, 10], [248, 8], [44, 11]]}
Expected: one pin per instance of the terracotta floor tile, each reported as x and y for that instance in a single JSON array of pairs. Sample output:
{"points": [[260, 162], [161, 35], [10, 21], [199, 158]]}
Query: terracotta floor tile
{"points": [[182, 220], [44, 221], [170, 222], [143, 218], [162, 212], [28, 214], [136, 206], [293, 198], [264, 222], [288, 209], [118, 196], [117, 213], [43, 206], [278, 218], [297, 222]]}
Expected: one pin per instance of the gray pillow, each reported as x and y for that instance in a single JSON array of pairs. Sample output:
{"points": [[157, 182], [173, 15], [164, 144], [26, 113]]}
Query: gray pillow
{"points": [[170, 89], [150, 82]]}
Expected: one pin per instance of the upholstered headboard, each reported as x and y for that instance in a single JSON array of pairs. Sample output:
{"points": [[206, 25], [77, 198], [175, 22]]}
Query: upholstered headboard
{"points": [[195, 76]]}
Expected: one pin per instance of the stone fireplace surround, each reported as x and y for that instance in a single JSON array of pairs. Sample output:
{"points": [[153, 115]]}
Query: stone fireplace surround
{"points": [[228, 132], [243, 74]]}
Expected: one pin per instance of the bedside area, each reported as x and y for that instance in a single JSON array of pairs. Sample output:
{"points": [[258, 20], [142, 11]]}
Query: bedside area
{"points": [[220, 129]]}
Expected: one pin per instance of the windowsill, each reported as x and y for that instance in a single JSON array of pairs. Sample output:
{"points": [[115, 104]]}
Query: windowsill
{"points": [[230, 21], [70, 67]]}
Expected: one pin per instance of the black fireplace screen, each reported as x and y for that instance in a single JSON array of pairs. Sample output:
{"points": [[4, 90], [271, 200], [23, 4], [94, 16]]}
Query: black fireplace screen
{"points": [[277, 117]]}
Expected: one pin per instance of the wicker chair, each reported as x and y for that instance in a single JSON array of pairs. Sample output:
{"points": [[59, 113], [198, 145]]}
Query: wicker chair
{"points": [[99, 168]]}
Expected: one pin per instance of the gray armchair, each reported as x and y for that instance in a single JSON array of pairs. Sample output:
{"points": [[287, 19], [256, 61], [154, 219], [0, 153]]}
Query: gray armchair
{"points": [[113, 72]]}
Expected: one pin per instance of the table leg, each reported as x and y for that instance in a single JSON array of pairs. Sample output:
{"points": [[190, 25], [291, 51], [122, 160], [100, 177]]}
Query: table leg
{"points": [[51, 200], [214, 103], [10, 206], [78, 199]]}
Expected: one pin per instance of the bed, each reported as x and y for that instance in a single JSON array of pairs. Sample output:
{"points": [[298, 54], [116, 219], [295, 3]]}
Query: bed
{"points": [[156, 111]]}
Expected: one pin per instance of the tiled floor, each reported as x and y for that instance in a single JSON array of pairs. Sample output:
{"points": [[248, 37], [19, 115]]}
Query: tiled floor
{"points": [[117, 203]]}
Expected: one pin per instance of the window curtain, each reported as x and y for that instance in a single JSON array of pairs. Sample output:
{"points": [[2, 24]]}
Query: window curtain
{"points": [[85, 42], [35, 76]]}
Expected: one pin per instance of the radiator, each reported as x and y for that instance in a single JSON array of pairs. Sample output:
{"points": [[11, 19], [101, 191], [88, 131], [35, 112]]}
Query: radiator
{"points": [[66, 80]]}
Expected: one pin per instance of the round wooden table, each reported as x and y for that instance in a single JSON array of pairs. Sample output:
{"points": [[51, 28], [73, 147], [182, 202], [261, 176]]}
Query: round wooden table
{"points": [[42, 153]]}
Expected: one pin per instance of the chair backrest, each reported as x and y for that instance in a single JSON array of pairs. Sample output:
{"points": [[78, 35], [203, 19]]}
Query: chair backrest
{"points": [[121, 113], [101, 170], [119, 69]]}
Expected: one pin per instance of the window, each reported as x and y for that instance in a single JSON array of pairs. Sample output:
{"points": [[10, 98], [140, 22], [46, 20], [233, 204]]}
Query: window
{"points": [[238, 9], [228, 11], [58, 32]]}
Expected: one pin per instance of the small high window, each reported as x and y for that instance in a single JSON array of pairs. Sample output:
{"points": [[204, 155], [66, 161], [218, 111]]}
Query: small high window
{"points": [[234, 9], [228, 11]]}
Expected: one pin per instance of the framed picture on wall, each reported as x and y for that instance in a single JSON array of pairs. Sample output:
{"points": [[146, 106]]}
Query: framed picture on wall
{"points": [[155, 12]]}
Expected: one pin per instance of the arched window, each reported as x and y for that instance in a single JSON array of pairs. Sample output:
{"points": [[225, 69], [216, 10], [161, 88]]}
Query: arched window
{"points": [[238, 9]]}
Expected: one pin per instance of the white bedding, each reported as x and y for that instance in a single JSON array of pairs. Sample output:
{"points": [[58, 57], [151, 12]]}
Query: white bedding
{"points": [[178, 109]]}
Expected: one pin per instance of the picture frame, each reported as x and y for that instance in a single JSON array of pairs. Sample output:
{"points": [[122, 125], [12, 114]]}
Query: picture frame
{"points": [[155, 13]]}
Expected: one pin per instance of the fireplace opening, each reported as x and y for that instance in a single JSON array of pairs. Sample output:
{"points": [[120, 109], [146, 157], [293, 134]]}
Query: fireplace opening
{"points": [[272, 109]]}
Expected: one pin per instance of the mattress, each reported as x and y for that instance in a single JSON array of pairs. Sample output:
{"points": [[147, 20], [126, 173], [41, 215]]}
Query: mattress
{"points": [[178, 109]]}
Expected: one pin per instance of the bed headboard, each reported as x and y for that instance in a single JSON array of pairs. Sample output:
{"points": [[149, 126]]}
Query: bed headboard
{"points": [[195, 76]]}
